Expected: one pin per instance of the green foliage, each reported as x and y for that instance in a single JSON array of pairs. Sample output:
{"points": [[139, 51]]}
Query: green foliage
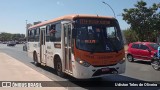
{"points": [[130, 36], [144, 20], [8, 36]]}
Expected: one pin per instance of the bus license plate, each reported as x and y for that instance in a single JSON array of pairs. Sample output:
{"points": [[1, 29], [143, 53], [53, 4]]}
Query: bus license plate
{"points": [[105, 69]]}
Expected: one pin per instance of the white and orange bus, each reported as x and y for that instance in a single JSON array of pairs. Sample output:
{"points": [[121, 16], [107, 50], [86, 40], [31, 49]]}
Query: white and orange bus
{"points": [[83, 46]]}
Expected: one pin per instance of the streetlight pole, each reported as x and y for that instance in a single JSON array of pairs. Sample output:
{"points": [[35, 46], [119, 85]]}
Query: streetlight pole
{"points": [[26, 31], [109, 7]]}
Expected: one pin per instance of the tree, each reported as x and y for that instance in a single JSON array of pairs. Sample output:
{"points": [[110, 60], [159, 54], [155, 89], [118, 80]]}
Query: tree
{"points": [[130, 35], [143, 20], [5, 36], [8, 36]]}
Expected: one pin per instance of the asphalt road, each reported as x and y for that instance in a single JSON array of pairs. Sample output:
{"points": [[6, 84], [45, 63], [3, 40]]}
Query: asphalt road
{"points": [[137, 71]]}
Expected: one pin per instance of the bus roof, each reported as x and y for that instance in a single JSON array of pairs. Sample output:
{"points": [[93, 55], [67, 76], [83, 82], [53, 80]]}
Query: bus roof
{"points": [[69, 17]]}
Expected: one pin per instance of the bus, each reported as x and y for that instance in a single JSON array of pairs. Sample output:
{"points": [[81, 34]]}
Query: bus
{"points": [[83, 46]]}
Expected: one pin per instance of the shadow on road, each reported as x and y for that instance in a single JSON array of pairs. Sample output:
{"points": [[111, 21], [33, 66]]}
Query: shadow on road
{"points": [[142, 62]]}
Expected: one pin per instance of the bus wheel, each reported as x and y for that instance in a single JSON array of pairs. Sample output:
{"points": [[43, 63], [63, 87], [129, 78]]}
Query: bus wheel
{"points": [[35, 59], [58, 67]]}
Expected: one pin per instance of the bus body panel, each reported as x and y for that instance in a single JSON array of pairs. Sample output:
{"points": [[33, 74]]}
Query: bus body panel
{"points": [[50, 54], [33, 46]]}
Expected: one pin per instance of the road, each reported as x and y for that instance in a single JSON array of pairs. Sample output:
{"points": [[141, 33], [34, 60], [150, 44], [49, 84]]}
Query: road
{"points": [[137, 71]]}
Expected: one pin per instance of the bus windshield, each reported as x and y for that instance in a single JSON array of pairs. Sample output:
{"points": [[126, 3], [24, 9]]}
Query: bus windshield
{"points": [[97, 37]]}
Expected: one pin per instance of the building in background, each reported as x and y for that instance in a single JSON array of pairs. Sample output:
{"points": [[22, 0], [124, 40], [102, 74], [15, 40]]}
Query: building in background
{"points": [[34, 23]]}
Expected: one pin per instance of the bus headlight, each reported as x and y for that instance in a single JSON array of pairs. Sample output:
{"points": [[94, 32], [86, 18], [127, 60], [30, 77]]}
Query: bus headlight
{"points": [[83, 63], [122, 61]]}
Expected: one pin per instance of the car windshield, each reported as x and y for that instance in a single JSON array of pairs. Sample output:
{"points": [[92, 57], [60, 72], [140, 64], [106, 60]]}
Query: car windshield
{"points": [[154, 46], [99, 38]]}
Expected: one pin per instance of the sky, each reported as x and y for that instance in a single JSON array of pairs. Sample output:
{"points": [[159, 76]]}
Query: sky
{"points": [[14, 13]]}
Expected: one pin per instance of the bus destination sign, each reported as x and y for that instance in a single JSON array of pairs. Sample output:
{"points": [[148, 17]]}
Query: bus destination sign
{"points": [[94, 21]]}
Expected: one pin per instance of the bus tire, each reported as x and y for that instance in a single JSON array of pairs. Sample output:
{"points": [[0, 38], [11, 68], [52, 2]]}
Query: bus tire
{"points": [[58, 67], [35, 59]]}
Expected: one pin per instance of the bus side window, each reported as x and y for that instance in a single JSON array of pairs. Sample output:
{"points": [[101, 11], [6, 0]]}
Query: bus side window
{"points": [[31, 35], [58, 32], [28, 35], [48, 33], [37, 34], [52, 34], [55, 32], [69, 34]]}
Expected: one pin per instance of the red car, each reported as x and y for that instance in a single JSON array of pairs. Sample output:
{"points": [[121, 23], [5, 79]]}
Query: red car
{"points": [[141, 51]]}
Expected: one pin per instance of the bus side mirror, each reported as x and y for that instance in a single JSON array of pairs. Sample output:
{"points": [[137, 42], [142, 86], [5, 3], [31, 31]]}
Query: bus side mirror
{"points": [[74, 33]]}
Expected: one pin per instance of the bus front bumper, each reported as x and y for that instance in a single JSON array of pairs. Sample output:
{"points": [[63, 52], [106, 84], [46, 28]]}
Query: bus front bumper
{"points": [[82, 72]]}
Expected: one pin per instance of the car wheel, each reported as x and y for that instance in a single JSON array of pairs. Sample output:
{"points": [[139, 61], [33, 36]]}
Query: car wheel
{"points": [[130, 58], [155, 64]]}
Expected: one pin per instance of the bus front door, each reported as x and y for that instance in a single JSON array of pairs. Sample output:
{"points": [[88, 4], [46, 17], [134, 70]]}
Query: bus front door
{"points": [[42, 46], [67, 47]]}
